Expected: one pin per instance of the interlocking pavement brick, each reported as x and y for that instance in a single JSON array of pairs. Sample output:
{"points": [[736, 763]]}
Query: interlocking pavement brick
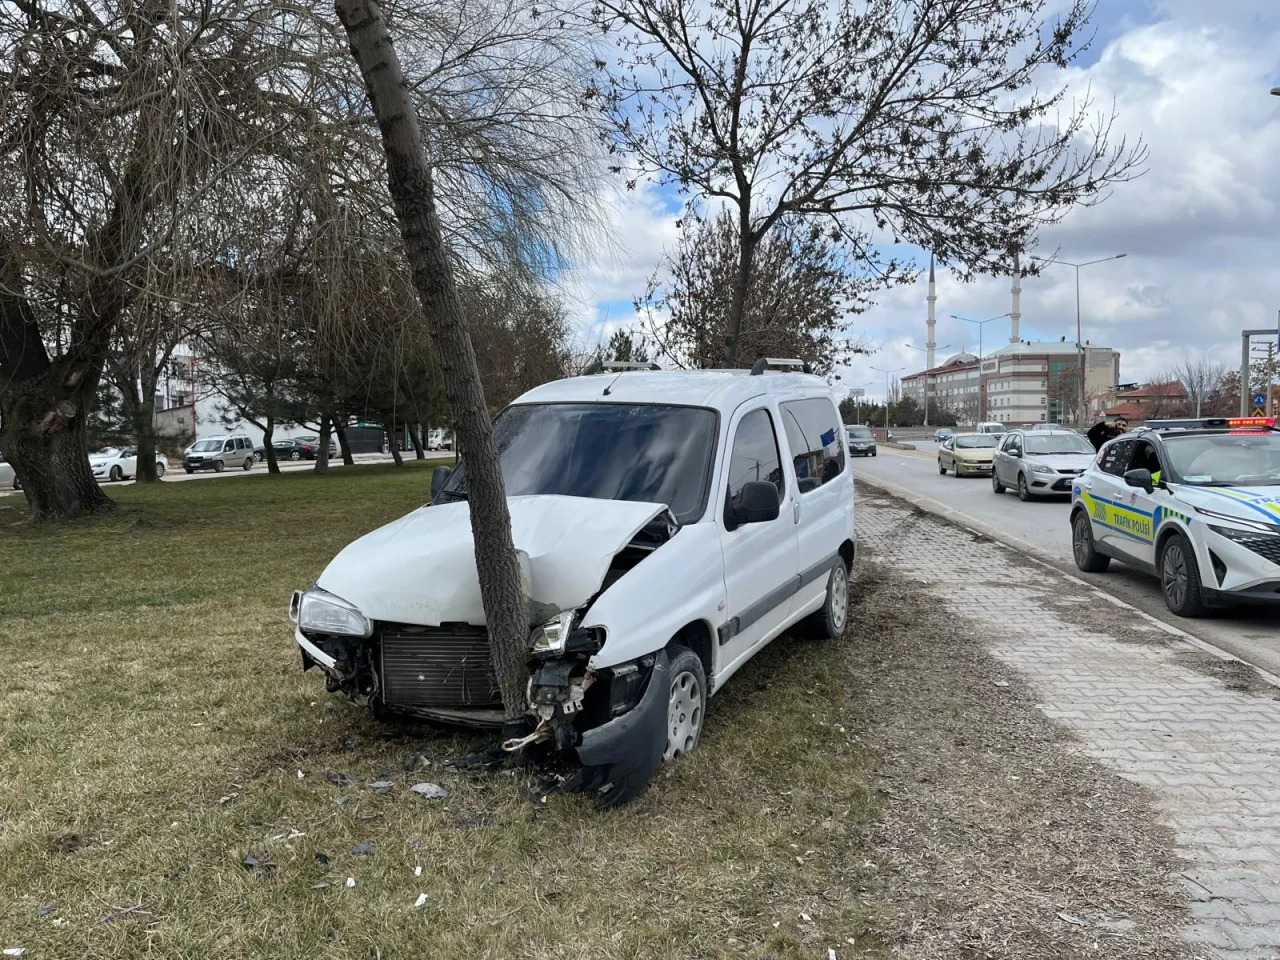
{"points": [[1210, 755]]}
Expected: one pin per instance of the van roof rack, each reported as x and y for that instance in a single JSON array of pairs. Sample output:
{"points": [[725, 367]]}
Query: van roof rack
{"points": [[776, 363], [606, 366]]}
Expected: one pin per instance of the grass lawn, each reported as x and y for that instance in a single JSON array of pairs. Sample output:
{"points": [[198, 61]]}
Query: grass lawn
{"points": [[155, 728]]}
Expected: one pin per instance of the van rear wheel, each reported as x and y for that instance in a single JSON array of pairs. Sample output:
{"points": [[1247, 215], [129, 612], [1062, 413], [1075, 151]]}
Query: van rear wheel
{"points": [[829, 622]]}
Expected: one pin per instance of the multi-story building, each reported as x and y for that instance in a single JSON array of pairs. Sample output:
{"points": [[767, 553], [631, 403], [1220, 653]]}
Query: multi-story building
{"points": [[953, 386], [1030, 382]]}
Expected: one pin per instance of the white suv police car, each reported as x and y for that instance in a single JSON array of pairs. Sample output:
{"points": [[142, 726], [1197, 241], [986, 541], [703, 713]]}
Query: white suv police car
{"points": [[1195, 502], [669, 525]]}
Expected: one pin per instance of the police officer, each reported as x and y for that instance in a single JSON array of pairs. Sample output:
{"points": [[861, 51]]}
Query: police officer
{"points": [[1102, 431]]}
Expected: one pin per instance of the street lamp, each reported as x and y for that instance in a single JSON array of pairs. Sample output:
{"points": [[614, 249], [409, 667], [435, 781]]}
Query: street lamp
{"points": [[982, 406], [859, 389], [1079, 340], [925, 350], [887, 374]]}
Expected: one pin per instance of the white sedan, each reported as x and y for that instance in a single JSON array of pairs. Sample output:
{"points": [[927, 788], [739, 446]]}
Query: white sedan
{"points": [[120, 464], [8, 479]]}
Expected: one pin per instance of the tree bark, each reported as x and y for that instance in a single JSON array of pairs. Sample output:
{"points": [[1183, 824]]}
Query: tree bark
{"points": [[322, 454], [268, 451], [733, 324], [393, 439], [415, 438], [413, 196], [144, 427], [347, 458]]}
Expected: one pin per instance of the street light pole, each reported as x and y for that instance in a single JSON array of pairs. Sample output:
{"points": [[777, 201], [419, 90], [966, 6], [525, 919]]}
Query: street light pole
{"points": [[925, 351], [1079, 336], [982, 406], [887, 374]]}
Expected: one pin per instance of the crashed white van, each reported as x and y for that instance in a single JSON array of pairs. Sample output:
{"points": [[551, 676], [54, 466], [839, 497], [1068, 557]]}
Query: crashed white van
{"points": [[669, 525]]}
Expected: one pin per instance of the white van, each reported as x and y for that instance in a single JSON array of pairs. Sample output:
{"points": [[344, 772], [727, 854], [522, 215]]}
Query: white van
{"points": [[219, 453], [669, 525], [991, 426]]}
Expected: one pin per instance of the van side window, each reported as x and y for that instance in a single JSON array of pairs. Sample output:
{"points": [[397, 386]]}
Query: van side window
{"points": [[228, 447], [755, 454], [813, 433]]}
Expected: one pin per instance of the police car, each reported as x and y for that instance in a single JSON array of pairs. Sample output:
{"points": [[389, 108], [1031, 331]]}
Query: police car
{"points": [[1194, 502]]}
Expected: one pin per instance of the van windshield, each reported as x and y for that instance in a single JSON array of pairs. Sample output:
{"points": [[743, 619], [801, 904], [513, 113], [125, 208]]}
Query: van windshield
{"points": [[204, 446], [650, 453]]}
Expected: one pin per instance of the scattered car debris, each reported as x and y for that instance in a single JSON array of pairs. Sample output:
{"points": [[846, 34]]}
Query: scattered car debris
{"points": [[1073, 919], [251, 862], [14, 951], [229, 798], [292, 834], [343, 800], [349, 743], [432, 791], [60, 921], [342, 779], [365, 849], [351, 882], [301, 774], [47, 909], [382, 786], [417, 871], [1000, 683], [322, 857], [422, 898], [320, 886]]}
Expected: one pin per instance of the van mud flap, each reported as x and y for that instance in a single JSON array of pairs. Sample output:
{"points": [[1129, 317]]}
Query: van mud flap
{"points": [[619, 757]]}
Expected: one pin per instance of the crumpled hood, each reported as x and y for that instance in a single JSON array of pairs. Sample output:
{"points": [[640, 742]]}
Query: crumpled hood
{"points": [[1063, 461], [1248, 503], [421, 569]]}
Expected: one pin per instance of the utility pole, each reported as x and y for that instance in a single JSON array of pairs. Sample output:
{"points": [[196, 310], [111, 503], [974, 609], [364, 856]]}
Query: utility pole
{"points": [[887, 374]]}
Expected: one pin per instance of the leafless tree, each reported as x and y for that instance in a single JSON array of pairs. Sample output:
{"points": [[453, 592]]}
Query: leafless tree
{"points": [[799, 302], [888, 120], [1201, 378]]}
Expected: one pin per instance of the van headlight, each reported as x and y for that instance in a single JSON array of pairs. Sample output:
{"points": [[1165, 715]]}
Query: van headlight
{"points": [[549, 638], [319, 611]]}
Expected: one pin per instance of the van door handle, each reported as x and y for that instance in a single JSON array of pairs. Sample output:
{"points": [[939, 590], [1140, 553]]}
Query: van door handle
{"points": [[795, 511]]}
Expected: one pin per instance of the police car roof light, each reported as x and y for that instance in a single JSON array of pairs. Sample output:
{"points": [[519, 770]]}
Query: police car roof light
{"points": [[1211, 423]]}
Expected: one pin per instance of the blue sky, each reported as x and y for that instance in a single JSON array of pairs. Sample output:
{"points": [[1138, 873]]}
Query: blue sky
{"points": [[1201, 229]]}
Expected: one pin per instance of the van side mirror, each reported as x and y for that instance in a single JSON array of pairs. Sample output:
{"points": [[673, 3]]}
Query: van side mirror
{"points": [[439, 477], [1140, 478], [758, 502]]}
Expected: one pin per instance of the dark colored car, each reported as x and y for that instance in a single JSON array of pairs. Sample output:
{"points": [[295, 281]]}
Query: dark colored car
{"points": [[862, 442], [300, 448]]}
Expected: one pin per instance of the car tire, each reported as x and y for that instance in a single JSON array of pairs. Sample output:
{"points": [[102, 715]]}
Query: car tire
{"points": [[17, 484], [295, 455], [1180, 578], [218, 466], [996, 486], [832, 617], [248, 463], [686, 703], [189, 470], [115, 474], [955, 469], [873, 453], [1083, 550], [1024, 492], [942, 468], [159, 470]]}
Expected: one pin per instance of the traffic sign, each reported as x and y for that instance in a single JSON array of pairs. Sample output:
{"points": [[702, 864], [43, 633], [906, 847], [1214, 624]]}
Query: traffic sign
{"points": [[1259, 399]]}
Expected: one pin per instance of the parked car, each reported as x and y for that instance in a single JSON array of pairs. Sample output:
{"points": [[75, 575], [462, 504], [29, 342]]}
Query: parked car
{"points": [[941, 434], [1040, 463], [1056, 427], [298, 448], [991, 426], [117, 463], [1196, 503], [667, 531], [8, 479], [862, 442], [219, 453], [966, 453]]}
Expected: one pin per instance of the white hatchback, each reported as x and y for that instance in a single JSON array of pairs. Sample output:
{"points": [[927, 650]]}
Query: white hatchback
{"points": [[669, 525]]}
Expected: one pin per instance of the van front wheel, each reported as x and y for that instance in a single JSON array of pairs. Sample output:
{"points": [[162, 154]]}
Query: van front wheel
{"points": [[687, 704]]}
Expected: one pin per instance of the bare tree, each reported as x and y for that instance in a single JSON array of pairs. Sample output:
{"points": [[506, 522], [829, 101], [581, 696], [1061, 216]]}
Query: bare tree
{"points": [[1201, 378], [889, 120], [799, 301]]}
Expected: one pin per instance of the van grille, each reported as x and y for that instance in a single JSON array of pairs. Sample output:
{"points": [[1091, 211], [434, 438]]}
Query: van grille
{"points": [[446, 666]]}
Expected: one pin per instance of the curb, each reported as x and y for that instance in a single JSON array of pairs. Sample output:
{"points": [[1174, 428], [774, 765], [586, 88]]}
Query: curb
{"points": [[1039, 556]]}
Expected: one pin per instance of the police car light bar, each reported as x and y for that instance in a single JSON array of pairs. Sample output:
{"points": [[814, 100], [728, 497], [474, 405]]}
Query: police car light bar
{"points": [[1211, 423]]}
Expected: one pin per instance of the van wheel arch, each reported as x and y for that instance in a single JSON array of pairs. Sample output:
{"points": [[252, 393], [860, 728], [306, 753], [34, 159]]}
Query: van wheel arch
{"points": [[697, 636]]}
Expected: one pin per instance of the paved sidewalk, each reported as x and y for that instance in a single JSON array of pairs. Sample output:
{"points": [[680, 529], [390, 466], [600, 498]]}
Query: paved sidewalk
{"points": [[1202, 734]]}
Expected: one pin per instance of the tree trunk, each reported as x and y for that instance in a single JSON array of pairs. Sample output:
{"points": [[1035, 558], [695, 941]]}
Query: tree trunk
{"points": [[415, 437], [393, 440], [413, 196], [144, 426], [322, 454], [733, 324], [347, 458], [268, 451]]}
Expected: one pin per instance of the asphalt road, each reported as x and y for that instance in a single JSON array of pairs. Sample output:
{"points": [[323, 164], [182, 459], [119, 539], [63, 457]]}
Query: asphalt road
{"points": [[1042, 528]]}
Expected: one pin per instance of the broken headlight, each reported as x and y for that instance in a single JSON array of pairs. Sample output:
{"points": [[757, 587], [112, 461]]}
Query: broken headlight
{"points": [[549, 638], [319, 611]]}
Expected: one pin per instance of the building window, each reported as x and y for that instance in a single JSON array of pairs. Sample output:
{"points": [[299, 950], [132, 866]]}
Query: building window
{"points": [[1042, 416]]}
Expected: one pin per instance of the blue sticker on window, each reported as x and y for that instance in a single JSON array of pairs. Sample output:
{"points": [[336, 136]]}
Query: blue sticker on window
{"points": [[829, 437]]}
